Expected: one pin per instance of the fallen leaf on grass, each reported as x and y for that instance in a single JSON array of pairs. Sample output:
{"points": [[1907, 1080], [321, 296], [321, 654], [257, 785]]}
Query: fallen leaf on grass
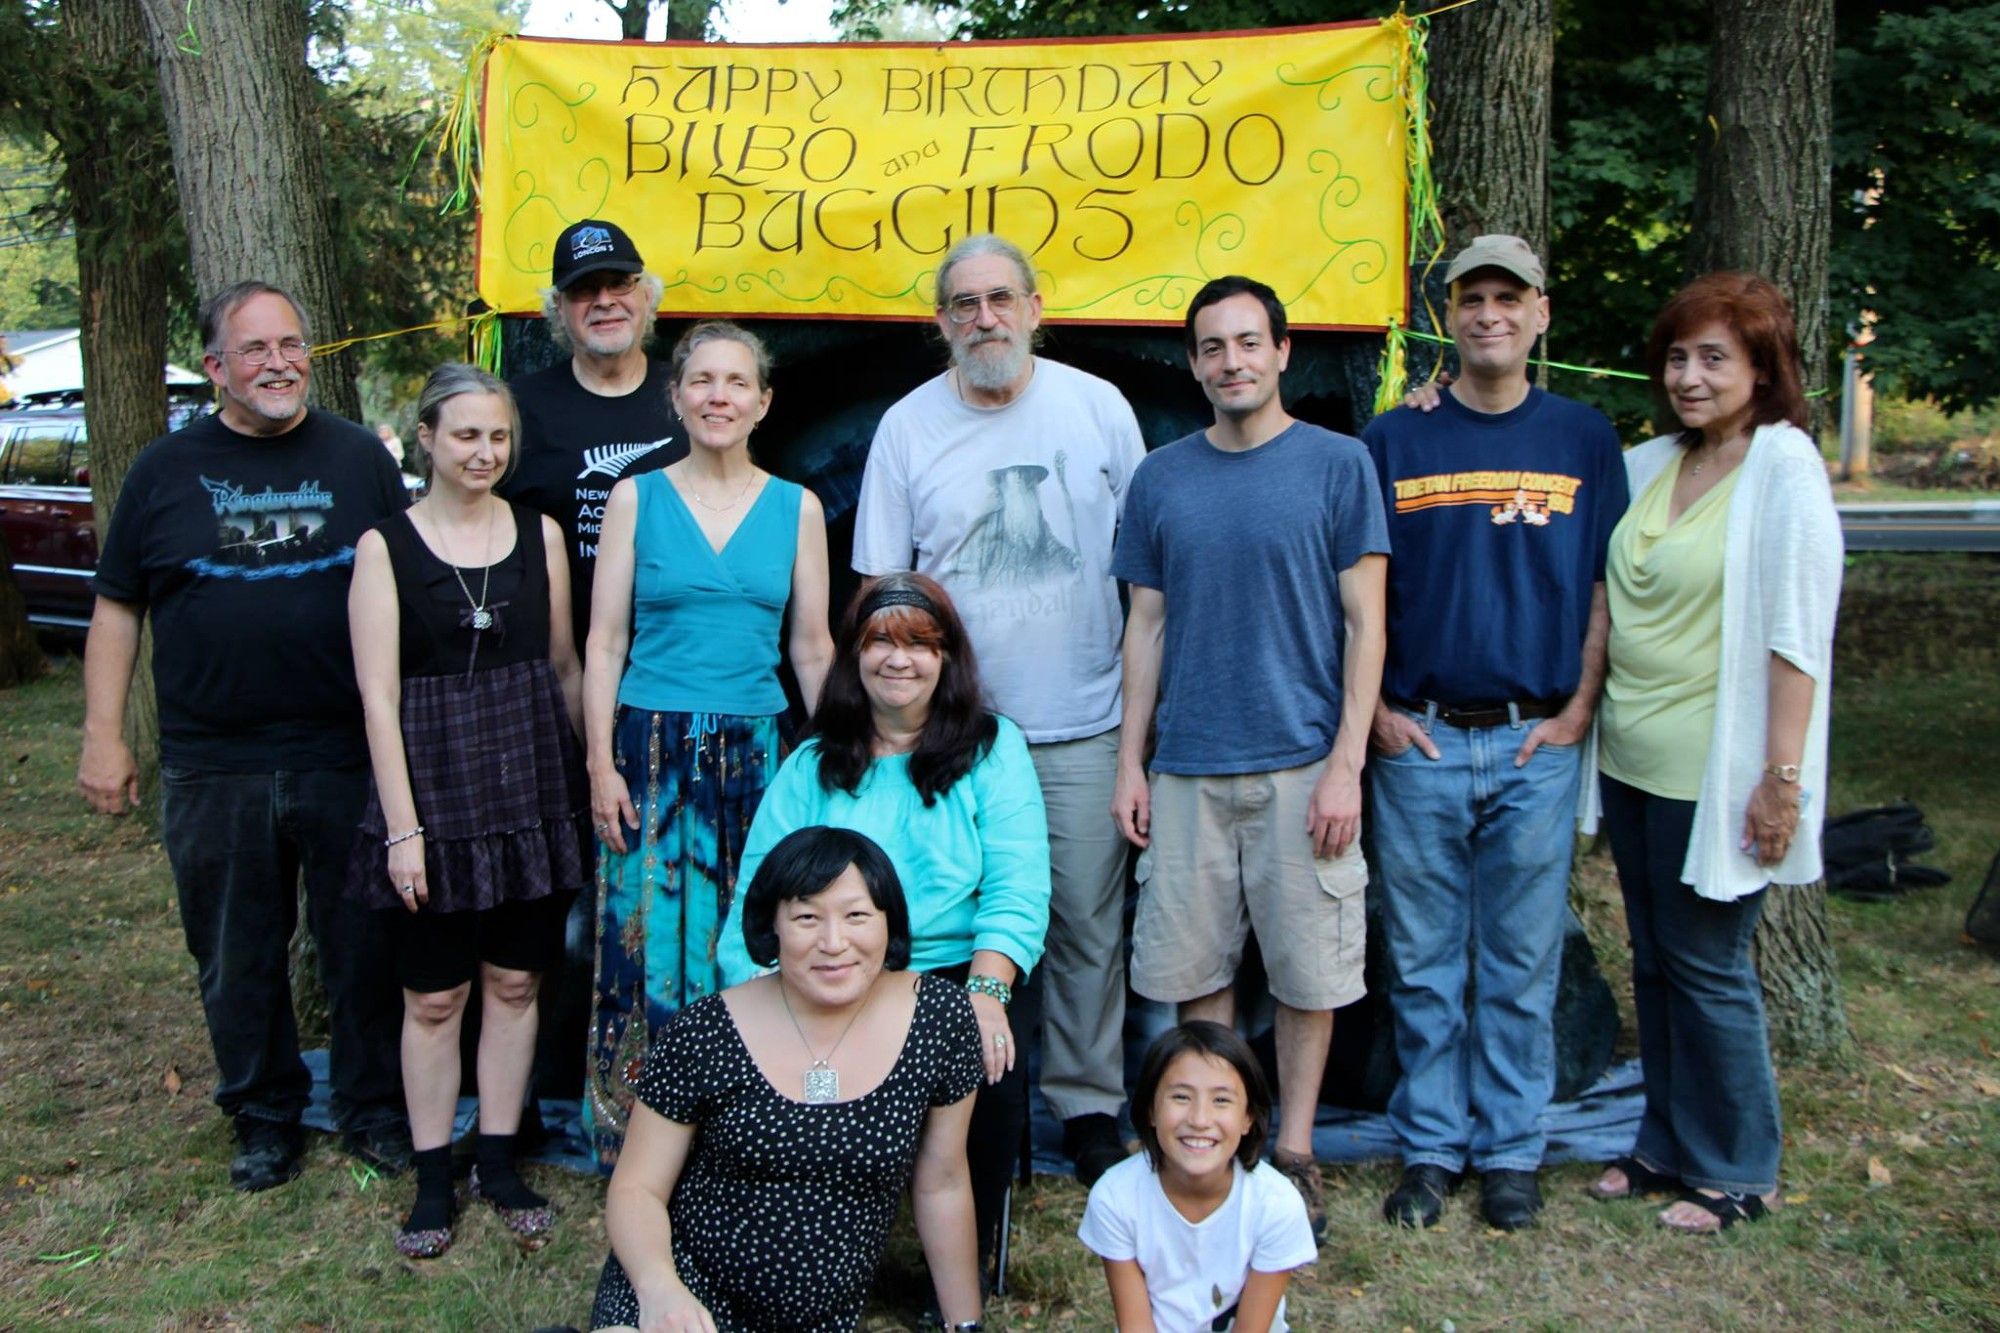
{"points": [[1912, 1142], [1986, 1086], [1919, 1084], [1803, 1196], [171, 1081], [1878, 1174]]}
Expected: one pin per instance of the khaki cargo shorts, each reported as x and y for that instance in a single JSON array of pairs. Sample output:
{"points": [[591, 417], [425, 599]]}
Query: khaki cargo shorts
{"points": [[1230, 855]]}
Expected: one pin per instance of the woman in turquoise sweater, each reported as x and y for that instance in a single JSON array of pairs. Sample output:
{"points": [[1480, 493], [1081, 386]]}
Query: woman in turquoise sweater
{"points": [[703, 569], [904, 750]]}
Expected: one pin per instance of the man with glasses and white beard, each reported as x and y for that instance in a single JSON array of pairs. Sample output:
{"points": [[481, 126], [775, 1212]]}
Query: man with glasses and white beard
{"points": [[1004, 478]]}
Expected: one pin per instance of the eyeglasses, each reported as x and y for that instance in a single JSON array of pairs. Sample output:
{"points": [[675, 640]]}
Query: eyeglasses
{"points": [[964, 309], [294, 350], [587, 288]]}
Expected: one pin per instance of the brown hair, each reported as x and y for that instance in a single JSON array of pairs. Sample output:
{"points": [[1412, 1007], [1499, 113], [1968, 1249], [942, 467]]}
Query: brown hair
{"points": [[1758, 314]]}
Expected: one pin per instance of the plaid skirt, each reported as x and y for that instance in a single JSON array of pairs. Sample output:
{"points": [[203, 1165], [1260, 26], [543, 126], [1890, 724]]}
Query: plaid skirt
{"points": [[500, 789]]}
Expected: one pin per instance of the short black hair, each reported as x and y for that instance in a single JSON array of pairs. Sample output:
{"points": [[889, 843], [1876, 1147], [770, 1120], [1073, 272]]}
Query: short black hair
{"points": [[1202, 1037], [1235, 284], [802, 865]]}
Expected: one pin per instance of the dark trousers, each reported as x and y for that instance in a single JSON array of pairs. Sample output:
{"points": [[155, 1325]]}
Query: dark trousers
{"points": [[999, 1118], [1711, 1097], [238, 844]]}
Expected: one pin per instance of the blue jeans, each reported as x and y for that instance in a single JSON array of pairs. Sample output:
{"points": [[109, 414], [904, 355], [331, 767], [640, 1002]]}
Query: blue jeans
{"points": [[1473, 854], [238, 844], [1711, 1098]]}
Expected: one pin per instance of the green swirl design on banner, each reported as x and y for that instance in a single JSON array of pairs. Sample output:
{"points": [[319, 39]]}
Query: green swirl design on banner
{"points": [[682, 278], [552, 215], [831, 290], [527, 118], [1381, 85], [1169, 291]]}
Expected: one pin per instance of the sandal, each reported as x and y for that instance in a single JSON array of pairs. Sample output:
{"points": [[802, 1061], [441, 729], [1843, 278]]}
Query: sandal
{"points": [[531, 1226], [1726, 1209], [1640, 1179]]}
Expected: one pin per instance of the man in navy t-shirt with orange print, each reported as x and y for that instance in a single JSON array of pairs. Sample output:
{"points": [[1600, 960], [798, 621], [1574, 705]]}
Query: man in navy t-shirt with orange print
{"points": [[1500, 503]]}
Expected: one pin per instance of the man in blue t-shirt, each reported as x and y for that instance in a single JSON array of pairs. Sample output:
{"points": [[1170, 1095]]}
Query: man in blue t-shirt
{"points": [[1501, 503], [1255, 553]]}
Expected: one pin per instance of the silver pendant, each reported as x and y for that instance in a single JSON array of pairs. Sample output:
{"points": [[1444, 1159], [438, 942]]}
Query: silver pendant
{"points": [[481, 618], [822, 1084]]}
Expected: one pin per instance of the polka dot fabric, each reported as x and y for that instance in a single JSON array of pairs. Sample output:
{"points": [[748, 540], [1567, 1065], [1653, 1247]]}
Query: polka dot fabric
{"points": [[782, 1211]]}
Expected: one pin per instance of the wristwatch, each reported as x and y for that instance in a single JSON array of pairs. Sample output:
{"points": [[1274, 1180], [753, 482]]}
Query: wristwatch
{"points": [[1783, 772]]}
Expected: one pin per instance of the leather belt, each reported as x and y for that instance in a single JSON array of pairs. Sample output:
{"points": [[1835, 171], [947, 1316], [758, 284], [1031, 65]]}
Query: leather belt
{"points": [[1484, 715]]}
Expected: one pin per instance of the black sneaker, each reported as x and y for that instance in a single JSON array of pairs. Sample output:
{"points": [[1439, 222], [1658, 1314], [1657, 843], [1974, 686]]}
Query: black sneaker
{"points": [[1509, 1200], [386, 1147], [1092, 1142], [1418, 1199], [267, 1154]]}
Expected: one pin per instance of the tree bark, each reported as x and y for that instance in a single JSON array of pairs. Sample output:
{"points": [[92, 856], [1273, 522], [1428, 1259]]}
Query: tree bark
{"points": [[1763, 203], [1763, 200], [1794, 954], [117, 170], [1490, 76], [21, 657], [241, 115], [687, 20]]}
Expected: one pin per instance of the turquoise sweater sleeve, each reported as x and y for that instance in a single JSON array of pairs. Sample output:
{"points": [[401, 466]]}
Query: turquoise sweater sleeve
{"points": [[1013, 913], [793, 800]]}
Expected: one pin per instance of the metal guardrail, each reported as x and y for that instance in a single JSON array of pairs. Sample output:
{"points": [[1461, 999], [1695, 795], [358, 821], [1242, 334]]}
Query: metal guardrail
{"points": [[1924, 525]]}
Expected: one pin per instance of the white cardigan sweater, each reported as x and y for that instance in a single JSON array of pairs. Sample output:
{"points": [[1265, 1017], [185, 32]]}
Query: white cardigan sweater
{"points": [[1781, 564]]}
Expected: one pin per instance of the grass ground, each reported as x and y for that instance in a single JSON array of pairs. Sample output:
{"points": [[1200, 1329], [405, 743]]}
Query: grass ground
{"points": [[114, 1210]]}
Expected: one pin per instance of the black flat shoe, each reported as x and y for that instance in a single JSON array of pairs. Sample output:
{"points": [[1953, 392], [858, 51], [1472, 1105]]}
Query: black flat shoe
{"points": [[1418, 1200], [267, 1154], [1092, 1142], [1509, 1200], [1640, 1179]]}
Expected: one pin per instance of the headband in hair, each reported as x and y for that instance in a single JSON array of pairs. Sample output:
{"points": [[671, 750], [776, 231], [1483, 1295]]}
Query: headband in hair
{"points": [[881, 599]]}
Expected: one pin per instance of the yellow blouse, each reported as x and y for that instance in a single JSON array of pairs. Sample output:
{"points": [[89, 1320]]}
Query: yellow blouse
{"points": [[1663, 584]]}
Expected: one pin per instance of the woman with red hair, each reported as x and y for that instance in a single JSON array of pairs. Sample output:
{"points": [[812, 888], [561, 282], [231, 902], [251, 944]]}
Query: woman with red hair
{"points": [[1722, 581]]}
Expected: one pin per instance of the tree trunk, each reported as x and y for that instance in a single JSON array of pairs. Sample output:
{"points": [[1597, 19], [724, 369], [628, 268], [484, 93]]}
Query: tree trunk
{"points": [[1794, 955], [1490, 93], [117, 168], [1490, 96], [1763, 204], [241, 115], [1763, 195], [21, 657], [687, 20]]}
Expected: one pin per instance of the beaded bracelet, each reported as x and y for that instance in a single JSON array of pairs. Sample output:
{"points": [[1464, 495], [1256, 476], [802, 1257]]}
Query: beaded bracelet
{"points": [[981, 984], [416, 832]]}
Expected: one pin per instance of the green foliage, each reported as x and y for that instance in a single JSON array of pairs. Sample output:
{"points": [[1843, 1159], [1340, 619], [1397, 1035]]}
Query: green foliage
{"points": [[414, 49], [37, 252], [1917, 191]]}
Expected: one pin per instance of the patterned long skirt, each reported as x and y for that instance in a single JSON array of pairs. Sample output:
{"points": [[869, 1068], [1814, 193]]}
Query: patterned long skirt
{"points": [[695, 780]]}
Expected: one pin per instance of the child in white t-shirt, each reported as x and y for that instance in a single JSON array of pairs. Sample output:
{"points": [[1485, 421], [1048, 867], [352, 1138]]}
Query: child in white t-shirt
{"points": [[1199, 1233]]}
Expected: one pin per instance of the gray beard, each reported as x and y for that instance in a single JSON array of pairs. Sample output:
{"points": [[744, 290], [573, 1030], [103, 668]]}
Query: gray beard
{"points": [[991, 366]]}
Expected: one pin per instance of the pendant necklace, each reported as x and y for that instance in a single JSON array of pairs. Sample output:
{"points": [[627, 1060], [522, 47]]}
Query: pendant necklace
{"points": [[482, 617], [822, 1079], [734, 500]]}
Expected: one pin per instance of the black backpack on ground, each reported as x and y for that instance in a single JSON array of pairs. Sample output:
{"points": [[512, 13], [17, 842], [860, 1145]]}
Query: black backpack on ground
{"points": [[1867, 853]]}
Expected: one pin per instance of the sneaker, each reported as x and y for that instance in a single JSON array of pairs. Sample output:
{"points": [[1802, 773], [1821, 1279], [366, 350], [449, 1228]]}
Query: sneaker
{"points": [[1418, 1199], [1303, 1172], [385, 1146], [267, 1154], [1509, 1200], [1092, 1142]]}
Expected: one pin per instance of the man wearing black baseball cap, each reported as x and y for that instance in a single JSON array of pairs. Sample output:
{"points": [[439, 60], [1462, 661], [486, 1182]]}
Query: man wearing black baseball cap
{"points": [[585, 423]]}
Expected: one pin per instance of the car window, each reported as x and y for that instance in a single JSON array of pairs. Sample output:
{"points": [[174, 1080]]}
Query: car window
{"points": [[38, 456], [78, 466]]}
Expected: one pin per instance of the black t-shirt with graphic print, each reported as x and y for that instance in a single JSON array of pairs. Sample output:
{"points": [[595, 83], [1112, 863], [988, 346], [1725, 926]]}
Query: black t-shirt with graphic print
{"points": [[241, 547], [575, 445]]}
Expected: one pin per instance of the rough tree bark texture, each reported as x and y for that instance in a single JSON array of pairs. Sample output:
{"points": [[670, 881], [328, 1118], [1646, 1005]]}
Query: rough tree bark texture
{"points": [[1490, 94], [21, 657], [242, 115], [117, 168], [687, 20], [1763, 189], [1763, 202]]}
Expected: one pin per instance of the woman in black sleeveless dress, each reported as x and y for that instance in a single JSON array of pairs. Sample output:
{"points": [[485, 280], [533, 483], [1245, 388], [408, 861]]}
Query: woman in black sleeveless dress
{"points": [[477, 830]]}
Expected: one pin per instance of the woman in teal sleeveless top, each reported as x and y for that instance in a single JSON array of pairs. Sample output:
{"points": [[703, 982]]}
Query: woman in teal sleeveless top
{"points": [[703, 569]]}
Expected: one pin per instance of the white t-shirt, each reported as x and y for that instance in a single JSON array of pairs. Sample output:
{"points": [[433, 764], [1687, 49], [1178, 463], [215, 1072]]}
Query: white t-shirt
{"points": [[1013, 509], [1195, 1271]]}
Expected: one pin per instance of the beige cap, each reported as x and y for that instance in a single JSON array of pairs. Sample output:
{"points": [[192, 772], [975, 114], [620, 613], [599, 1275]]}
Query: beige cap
{"points": [[1508, 253]]}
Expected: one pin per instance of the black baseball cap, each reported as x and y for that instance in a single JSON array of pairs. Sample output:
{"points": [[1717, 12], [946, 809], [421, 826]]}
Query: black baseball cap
{"points": [[593, 246]]}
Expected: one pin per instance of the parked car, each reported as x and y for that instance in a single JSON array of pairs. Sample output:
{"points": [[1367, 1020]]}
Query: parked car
{"points": [[45, 510]]}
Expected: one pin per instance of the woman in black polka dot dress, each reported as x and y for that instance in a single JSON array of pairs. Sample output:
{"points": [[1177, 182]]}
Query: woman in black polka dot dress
{"points": [[778, 1121]]}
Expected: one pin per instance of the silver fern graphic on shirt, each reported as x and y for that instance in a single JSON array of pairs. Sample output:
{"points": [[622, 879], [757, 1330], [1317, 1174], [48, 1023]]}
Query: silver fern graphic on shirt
{"points": [[1012, 542], [611, 460]]}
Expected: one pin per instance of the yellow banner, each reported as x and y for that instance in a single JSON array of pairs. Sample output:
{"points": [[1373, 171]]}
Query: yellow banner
{"points": [[826, 181]]}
